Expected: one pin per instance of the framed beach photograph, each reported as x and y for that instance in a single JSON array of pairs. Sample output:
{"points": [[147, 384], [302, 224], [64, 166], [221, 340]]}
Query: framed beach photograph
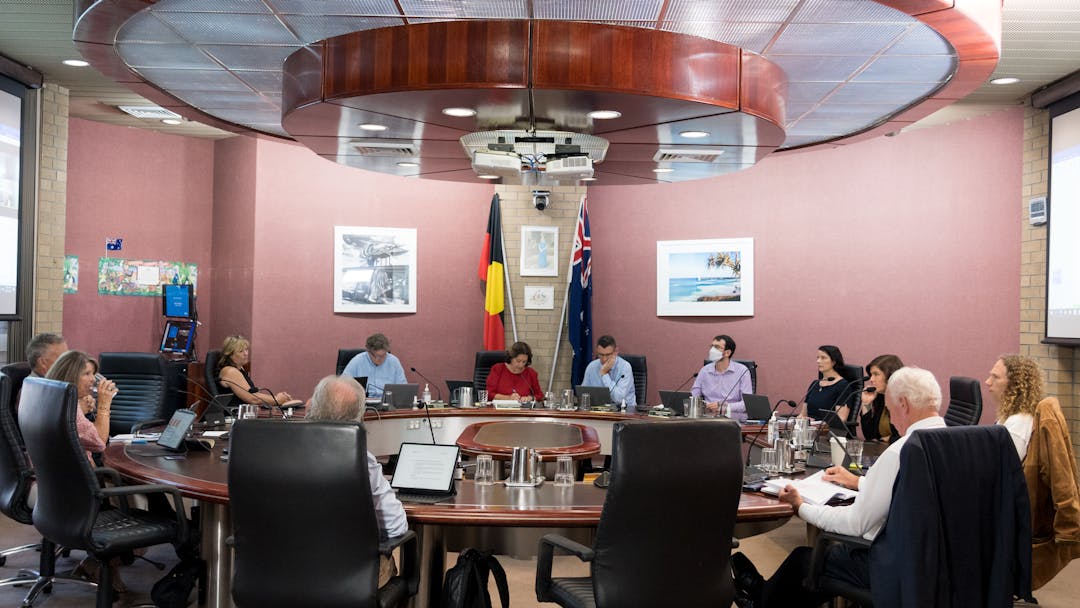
{"points": [[374, 269], [703, 278], [539, 251]]}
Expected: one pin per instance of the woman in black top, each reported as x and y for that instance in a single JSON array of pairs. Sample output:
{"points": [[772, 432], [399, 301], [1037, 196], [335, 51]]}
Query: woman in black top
{"points": [[233, 377], [873, 415], [829, 388]]}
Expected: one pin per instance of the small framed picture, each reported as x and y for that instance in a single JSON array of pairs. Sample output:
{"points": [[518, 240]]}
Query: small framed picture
{"points": [[705, 278], [539, 297], [539, 251]]}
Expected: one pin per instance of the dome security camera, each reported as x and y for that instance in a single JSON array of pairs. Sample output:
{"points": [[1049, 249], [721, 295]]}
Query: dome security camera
{"points": [[541, 199]]}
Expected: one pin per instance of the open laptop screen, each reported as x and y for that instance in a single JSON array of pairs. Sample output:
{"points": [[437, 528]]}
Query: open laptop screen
{"points": [[425, 467]]}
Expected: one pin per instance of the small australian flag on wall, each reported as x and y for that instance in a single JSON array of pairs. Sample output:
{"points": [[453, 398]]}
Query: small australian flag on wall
{"points": [[114, 244]]}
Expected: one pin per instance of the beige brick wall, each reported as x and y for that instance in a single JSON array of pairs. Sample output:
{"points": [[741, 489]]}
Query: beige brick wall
{"points": [[1059, 363], [51, 211], [539, 328]]}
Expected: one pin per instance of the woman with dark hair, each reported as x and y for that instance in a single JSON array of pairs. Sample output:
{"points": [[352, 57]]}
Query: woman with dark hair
{"points": [[233, 376], [515, 379], [830, 386], [873, 415], [78, 369], [1041, 436]]}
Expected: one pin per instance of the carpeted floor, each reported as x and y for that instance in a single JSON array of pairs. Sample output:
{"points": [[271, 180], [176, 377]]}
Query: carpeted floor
{"points": [[766, 551]]}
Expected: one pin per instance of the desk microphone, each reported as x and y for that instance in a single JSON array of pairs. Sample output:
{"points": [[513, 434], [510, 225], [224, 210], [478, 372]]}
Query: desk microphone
{"points": [[415, 371], [764, 426], [848, 392], [685, 382], [720, 404], [616, 385]]}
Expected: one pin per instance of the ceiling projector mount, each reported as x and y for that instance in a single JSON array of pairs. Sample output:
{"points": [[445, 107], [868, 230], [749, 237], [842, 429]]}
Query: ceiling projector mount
{"points": [[534, 157]]}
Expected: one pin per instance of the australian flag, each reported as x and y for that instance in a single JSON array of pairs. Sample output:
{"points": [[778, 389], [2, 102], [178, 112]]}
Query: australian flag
{"points": [[114, 244], [580, 296]]}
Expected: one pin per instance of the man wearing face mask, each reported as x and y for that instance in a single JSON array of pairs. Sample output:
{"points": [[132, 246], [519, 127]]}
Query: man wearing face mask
{"points": [[723, 381]]}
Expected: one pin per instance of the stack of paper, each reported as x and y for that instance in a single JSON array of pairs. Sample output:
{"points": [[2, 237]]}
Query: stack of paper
{"points": [[813, 489]]}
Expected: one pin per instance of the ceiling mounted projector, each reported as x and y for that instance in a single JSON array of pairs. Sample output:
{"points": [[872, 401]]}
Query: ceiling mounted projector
{"points": [[534, 157]]}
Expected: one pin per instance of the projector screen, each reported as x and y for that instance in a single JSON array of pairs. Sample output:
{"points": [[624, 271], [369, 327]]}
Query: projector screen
{"points": [[10, 140], [1063, 245]]}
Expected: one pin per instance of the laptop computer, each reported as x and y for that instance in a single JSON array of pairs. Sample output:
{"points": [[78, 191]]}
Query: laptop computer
{"points": [[454, 385], [425, 472], [403, 395], [172, 437], [757, 407], [210, 412], [598, 395], [672, 400]]}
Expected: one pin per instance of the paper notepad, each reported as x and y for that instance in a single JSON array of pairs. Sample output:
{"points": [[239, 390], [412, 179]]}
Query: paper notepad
{"points": [[813, 489]]}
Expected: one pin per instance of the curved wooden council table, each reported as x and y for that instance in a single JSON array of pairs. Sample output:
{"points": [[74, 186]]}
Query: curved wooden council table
{"points": [[551, 439], [508, 520]]}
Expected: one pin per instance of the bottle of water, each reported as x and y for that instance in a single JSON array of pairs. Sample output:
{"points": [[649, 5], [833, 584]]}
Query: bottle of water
{"points": [[773, 423], [426, 396]]}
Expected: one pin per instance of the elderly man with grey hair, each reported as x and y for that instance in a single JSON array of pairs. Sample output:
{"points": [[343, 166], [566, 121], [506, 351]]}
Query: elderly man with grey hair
{"points": [[914, 400], [339, 398]]}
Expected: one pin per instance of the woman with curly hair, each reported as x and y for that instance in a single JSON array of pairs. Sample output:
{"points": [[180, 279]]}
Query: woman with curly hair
{"points": [[1041, 436]]}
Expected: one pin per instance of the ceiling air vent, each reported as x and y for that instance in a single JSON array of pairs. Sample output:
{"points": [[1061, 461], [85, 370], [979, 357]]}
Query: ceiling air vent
{"points": [[154, 112], [385, 148], [687, 155]]}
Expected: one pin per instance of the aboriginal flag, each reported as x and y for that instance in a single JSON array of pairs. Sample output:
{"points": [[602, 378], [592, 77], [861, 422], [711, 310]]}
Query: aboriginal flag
{"points": [[491, 271]]}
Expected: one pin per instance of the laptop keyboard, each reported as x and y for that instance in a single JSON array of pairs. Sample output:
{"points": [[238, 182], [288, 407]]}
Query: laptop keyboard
{"points": [[427, 499]]}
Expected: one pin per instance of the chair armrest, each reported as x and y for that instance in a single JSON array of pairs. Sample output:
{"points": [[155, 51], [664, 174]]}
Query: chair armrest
{"points": [[387, 545], [546, 554], [821, 550], [410, 559], [178, 504], [107, 474]]}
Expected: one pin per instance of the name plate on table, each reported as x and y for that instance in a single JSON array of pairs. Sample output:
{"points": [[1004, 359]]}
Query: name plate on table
{"points": [[603, 408], [506, 404]]}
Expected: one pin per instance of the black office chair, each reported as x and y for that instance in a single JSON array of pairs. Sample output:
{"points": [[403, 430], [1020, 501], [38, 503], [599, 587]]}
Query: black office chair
{"points": [[210, 374], [962, 491], [344, 355], [751, 367], [485, 359], [142, 382], [854, 375], [301, 490], [72, 507], [965, 401], [641, 376], [670, 561]]}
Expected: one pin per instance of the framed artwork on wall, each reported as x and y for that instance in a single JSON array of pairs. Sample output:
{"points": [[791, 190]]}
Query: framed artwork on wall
{"points": [[539, 251], [538, 297], [374, 269], [708, 277]]}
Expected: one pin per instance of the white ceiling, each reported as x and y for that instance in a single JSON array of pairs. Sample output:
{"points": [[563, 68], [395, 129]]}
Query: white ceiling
{"points": [[1040, 44]]}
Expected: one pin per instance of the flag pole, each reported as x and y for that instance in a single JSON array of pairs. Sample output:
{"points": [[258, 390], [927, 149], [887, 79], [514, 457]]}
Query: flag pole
{"points": [[506, 278], [562, 315]]}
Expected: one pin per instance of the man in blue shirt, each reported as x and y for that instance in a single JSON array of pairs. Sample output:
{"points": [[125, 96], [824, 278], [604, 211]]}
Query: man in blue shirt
{"points": [[377, 364], [612, 371]]}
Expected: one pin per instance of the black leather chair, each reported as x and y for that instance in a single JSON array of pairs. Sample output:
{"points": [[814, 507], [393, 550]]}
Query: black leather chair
{"points": [[344, 355], [141, 380], [213, 357], [485, 359], [751, 367], [641, 376], [304, 523], [962, 491], [965, 401], [669, 561], [72, 507], [854, 375]]}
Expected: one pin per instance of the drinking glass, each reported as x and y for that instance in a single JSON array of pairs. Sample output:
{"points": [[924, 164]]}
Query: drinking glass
{"points": [[564, 471], [248, 410], [768, 460], [482, 396], [854, 449], [568, 398], [549, 400], [585, 400], [836, 450], [388, 399], [485, 470]]}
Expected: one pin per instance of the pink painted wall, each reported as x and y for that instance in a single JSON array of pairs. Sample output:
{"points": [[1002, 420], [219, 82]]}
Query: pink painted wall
{"points": [[233, 249], [300, 198], [907, 245], [156, 192]]}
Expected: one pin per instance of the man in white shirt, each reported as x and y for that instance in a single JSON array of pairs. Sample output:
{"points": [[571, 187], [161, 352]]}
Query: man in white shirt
{"points": [[914, 402], [340, 398]]}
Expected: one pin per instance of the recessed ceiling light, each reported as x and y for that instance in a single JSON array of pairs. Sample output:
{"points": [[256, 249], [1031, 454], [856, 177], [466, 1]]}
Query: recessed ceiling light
{"points": [[488, 176], [372, 127], [663, 170], [694, 134], [408, 164], [604, 114], [76, 63], [172, 121], [588, 179], [459, 112], [1005, 80]]}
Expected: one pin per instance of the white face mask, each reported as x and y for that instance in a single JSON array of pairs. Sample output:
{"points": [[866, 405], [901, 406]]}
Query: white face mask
{"points": [[715, 354]]}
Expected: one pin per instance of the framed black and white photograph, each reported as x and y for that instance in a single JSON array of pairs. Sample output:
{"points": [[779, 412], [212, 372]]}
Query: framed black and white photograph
{"points": [[539, 251], [374, 269], [708, 277]]}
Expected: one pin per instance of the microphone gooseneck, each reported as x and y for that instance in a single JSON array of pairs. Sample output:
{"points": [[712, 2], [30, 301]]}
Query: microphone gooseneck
{"points": [[687, 381], [428, 380], [757, 435], [834, 437]]}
